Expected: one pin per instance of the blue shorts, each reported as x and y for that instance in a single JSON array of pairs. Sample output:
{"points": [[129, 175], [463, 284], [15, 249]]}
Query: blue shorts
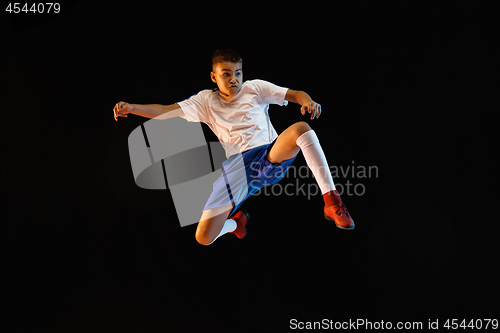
{"points": [[244, 174]]}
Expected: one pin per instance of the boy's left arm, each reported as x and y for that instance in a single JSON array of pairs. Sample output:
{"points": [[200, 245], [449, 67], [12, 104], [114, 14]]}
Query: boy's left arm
{"points": [[302, 98]]}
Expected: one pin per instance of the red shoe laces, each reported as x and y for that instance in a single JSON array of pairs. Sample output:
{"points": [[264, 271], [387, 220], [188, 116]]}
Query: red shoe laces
{"points": [[342, 208]]}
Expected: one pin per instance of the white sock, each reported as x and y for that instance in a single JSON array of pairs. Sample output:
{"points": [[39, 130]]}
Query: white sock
{"points": [[316, 160], [229, 225]]}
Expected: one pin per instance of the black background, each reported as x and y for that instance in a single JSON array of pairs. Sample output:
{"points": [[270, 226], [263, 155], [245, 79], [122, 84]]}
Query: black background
{"points": [[86, 250]]}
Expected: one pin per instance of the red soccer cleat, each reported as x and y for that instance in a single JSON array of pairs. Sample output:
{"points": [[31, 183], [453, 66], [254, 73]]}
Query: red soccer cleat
{"points": [[335, 210], [241, 218]]}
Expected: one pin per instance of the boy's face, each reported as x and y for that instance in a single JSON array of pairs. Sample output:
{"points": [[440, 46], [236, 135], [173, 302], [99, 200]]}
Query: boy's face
{"points": [[228, 76]]}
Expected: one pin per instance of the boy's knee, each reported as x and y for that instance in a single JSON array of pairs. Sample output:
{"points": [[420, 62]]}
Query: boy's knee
{"points": [[301, 127], [203, 238]]}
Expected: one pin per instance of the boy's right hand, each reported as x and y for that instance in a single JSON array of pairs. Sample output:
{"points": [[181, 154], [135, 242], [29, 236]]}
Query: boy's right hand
{"points": [[121, 109]]}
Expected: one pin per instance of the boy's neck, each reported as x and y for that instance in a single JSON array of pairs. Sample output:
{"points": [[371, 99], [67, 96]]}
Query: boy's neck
{"points": [[226, 97]]}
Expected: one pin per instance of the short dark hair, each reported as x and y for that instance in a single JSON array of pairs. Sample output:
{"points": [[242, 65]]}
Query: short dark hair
{"points": [[225, 55]]}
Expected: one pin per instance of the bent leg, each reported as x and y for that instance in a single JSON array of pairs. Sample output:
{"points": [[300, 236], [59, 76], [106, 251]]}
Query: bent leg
{"points": [[316, 160], [297, 137], [211, 223], [285, 146]]}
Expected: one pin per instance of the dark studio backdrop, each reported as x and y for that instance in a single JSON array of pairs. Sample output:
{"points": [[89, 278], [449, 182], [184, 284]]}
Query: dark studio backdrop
{"points": [[84, 249]]}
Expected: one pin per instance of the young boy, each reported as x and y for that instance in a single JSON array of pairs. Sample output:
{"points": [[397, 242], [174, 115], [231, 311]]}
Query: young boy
{"points": [[237, 112]]}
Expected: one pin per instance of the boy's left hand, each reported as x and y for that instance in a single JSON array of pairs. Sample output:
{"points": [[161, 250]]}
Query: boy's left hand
{"points": [[313, 108]]}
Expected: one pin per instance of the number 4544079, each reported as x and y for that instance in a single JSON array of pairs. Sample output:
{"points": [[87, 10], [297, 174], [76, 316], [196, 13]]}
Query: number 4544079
{"points": [[473, 323], [40, 7]]}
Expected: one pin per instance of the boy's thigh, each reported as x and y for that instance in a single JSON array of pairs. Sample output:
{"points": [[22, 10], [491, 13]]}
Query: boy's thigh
{"points": [[216, 212], [285, 146]]}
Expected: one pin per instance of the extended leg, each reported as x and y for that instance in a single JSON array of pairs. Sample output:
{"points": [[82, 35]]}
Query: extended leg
{"points": [[335, 209], [300, 136], [285, 146]]}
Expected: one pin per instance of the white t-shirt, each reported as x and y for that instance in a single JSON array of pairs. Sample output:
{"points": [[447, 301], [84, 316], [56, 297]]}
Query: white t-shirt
{"points": [[242, 122]]}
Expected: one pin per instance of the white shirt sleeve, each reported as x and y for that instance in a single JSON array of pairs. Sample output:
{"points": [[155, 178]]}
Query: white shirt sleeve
{"points": [[195, 107], [271, 93]]}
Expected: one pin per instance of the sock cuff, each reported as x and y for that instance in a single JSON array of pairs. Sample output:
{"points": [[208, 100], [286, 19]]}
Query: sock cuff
{"points": [[306, 139], [231, 225]]}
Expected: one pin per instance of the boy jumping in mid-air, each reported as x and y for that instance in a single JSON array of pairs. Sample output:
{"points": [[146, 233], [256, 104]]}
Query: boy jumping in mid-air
{"points": [[237, 112]]}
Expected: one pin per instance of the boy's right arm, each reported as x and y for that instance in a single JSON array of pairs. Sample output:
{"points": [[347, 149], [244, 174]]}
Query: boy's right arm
{"points": [[157, 111]]}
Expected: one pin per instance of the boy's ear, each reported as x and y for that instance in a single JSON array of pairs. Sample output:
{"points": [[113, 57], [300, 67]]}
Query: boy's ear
{"points": [[212, 76]]}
